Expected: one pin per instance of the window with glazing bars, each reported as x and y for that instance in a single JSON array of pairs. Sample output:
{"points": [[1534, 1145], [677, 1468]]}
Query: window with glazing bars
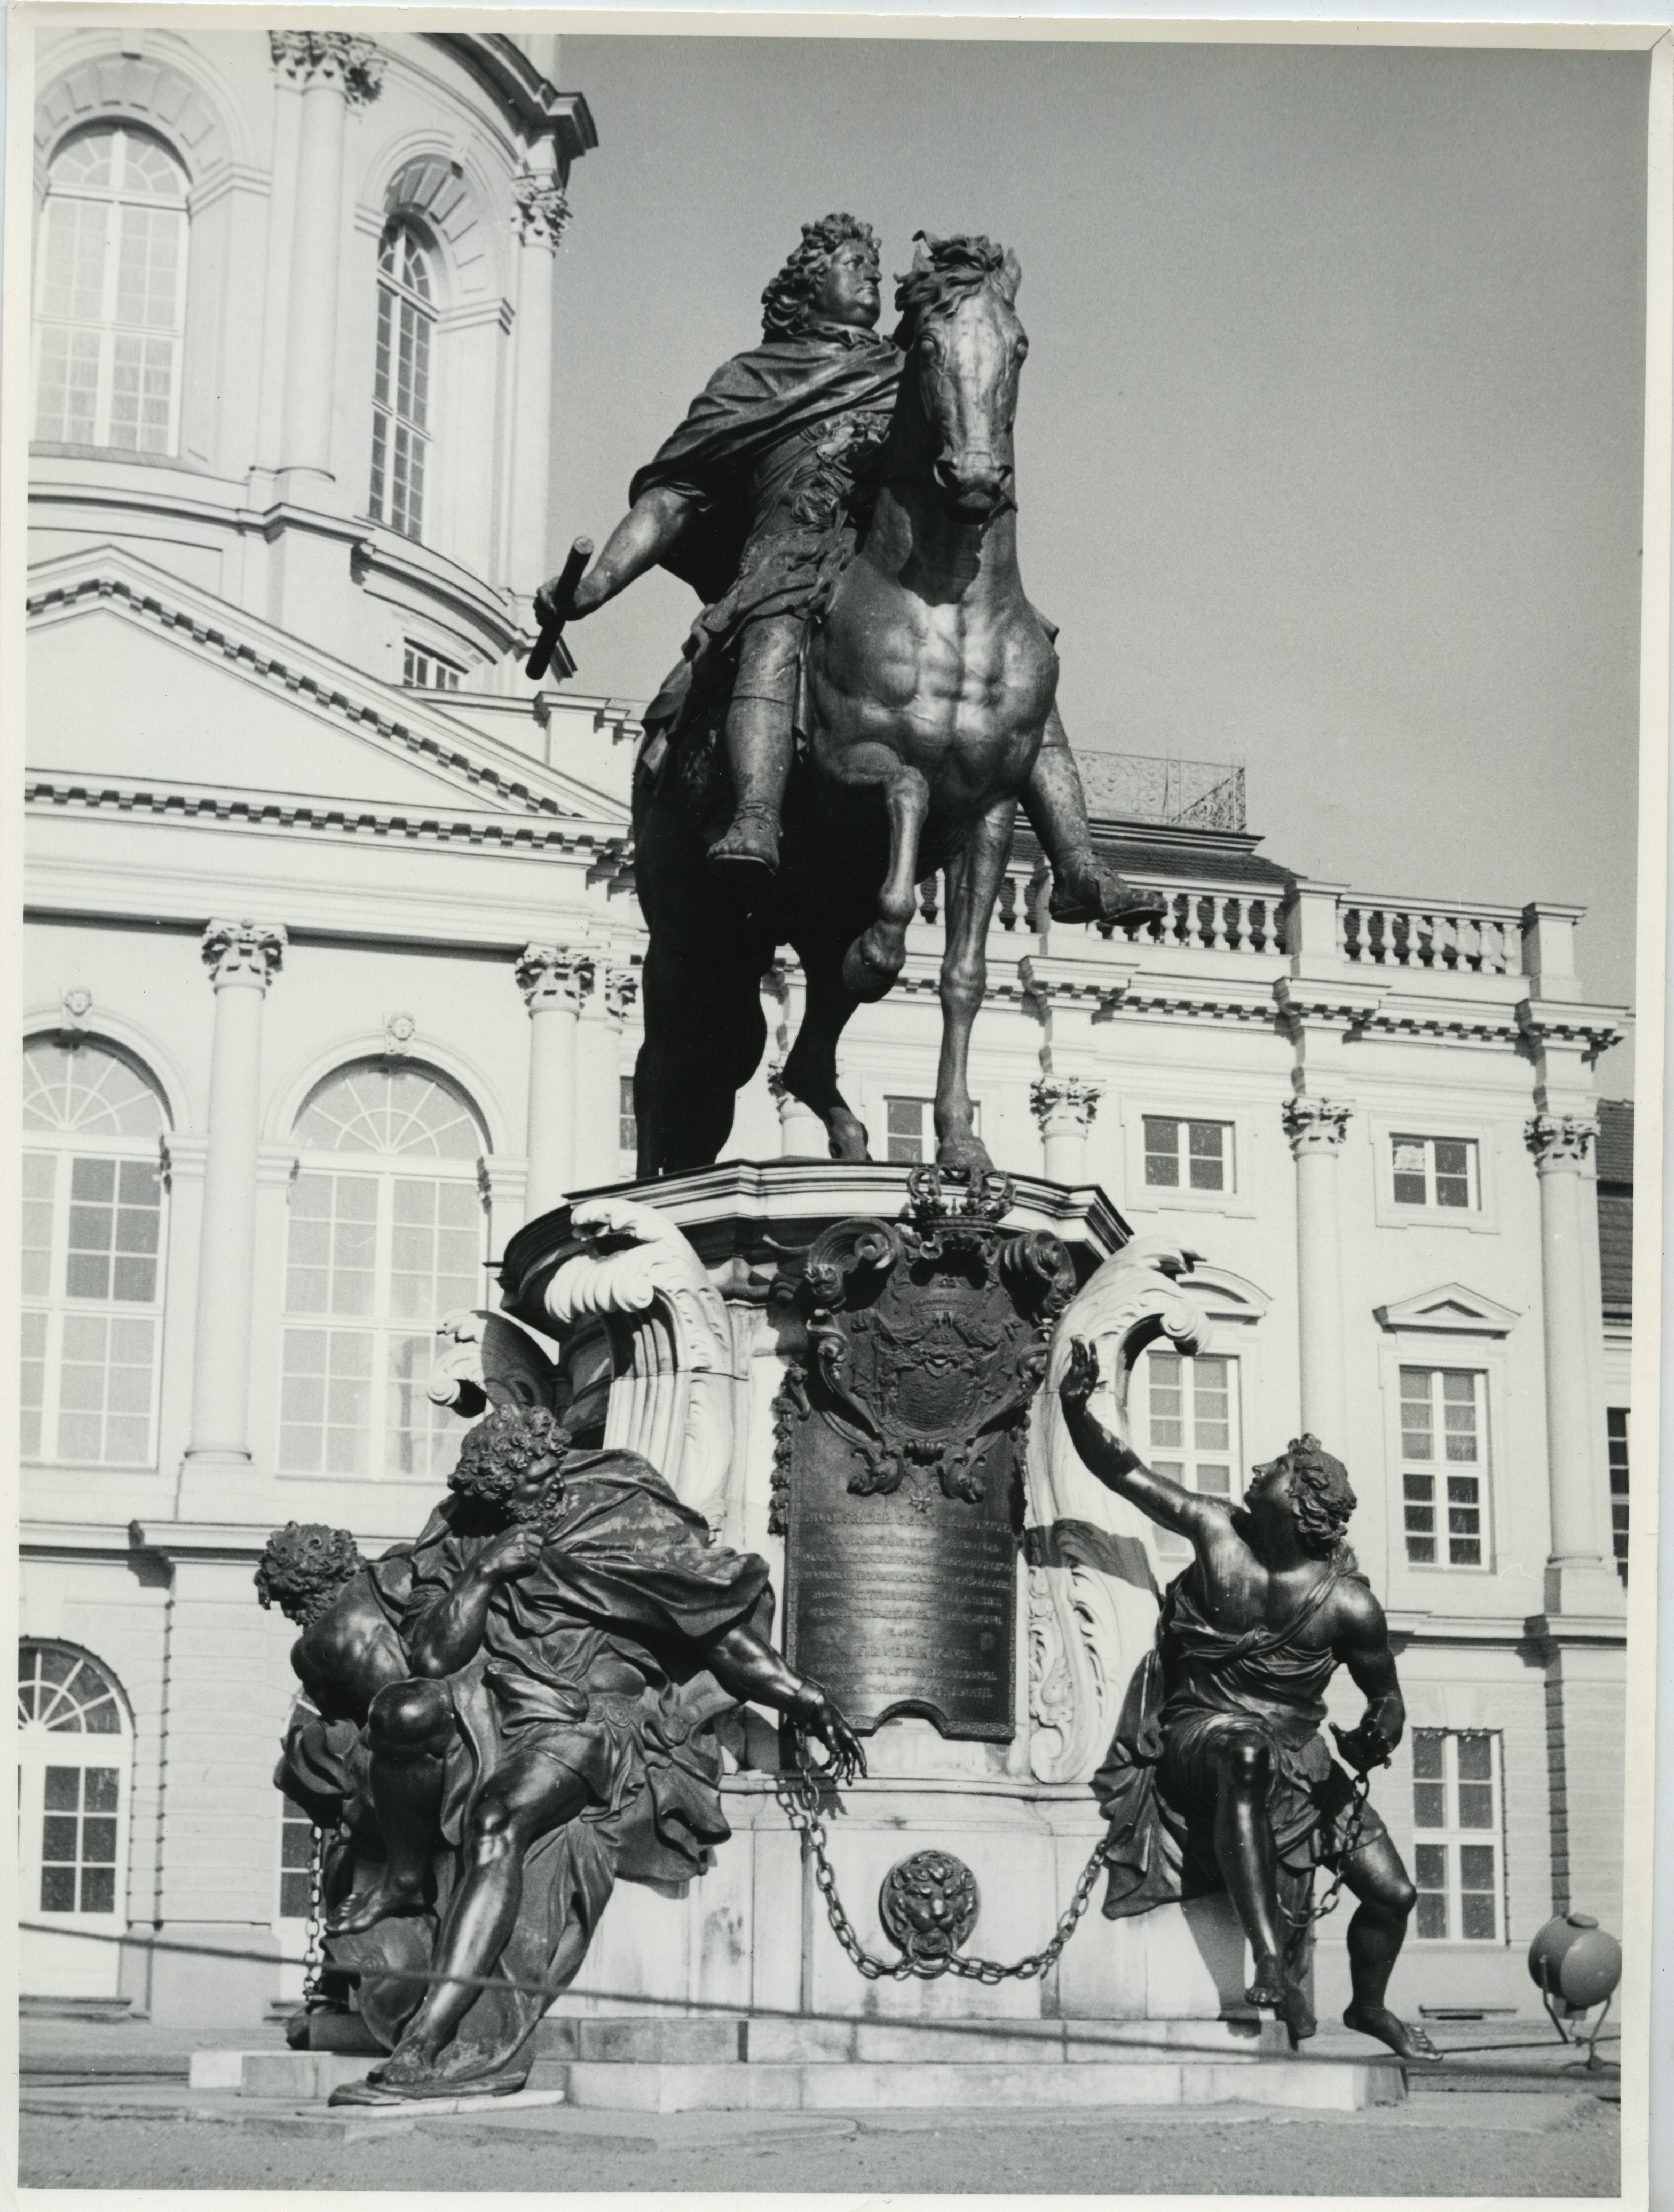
{"points": [[910, 1128], [401, 381], [1444, 1466], [1616, 1419], [627, 1127], [1456, 1828], [111, 295], [1187, 1155], [1440, 1171], [424, 671], [1191, 1429]]}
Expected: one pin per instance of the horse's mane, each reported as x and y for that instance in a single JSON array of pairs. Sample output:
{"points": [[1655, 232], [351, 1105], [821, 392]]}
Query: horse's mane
{"points": [[947, 271]]}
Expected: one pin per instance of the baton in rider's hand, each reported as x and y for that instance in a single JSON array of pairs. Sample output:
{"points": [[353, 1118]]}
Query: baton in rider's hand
{"points": [[550, 645]]}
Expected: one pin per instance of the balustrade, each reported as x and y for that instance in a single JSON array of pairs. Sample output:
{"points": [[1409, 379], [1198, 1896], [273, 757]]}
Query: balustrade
{"points": [[1381, 933]]}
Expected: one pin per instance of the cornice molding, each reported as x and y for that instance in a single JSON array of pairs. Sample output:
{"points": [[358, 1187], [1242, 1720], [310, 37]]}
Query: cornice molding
{"points": [[204, 806]]}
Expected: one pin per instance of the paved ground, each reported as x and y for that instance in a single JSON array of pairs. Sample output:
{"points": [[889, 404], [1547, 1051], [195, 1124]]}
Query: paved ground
{"points": [[109, 2108]]}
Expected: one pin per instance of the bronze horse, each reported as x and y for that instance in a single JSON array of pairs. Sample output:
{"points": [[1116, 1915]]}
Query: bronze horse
{"points": [[927, 705]]}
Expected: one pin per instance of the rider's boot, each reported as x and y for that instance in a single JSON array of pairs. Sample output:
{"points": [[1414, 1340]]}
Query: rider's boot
{"points": [[758, 753]]}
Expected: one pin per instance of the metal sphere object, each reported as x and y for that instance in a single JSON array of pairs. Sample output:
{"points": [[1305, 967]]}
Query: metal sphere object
{"points": [[1573, 1958]]}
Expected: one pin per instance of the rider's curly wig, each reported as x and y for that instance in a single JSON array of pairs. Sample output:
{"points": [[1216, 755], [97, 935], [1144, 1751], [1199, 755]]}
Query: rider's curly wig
{"points": [[788, 301], [949, 270], [499, 1451], [1322, 1500], [304, 1564]]}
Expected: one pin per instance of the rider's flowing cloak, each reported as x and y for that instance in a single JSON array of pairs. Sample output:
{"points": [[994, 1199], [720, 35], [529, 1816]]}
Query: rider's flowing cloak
{"points": [[768, 453], [593, 1659], [1198, 1686]]}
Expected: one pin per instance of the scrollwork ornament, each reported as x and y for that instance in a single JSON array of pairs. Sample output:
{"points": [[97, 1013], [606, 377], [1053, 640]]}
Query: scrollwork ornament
{"points": [[543, 207], [1315, 1125], [1560, 1141], [338, 57], [243, 952]]}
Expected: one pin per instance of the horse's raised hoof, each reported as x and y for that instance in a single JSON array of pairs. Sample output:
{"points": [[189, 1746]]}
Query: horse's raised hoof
{"points": [[1101, 895], [848, 1133], [874, 960], [748, 854]]}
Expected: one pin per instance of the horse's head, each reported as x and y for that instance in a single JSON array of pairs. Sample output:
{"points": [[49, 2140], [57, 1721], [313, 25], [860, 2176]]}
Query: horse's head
{"points": [[965, 346]]}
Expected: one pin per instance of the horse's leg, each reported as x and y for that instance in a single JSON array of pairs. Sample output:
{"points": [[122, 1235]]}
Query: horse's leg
{"points": [[810, 1065], [874, 959], [973, 883]]}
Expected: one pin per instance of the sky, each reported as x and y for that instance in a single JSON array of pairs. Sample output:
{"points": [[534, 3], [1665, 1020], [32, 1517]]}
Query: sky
{"points": [[1329, 444]]}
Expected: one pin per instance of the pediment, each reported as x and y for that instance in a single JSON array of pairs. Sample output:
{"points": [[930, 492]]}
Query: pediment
{"points": [[135, 674], [1451, 1307]]}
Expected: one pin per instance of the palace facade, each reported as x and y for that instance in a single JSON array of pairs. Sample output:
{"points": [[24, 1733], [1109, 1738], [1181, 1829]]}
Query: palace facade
{"points": [[333, 956]]}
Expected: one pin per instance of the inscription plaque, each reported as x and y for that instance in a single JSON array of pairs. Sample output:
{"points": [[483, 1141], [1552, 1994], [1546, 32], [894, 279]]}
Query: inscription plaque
{"points": [[914, 1350]]}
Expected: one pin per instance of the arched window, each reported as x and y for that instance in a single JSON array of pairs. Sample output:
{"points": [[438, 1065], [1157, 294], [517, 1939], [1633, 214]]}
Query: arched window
{"points": [[401, 380], [74, 1748], [110, 300], [94, 1221], [387, 1234]]}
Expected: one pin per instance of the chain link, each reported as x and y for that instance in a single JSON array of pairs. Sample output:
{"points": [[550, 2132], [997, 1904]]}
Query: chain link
{"points": [[1301, 1922], [800, 1797], [314, 1954]]}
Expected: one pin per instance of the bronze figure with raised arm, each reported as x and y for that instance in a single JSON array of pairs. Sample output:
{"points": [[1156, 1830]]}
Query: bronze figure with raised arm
{"points": [[1219, 1776]]}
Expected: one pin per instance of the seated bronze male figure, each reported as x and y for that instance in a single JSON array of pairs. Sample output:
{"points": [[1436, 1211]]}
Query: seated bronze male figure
{"points": [[1218, 1775]]}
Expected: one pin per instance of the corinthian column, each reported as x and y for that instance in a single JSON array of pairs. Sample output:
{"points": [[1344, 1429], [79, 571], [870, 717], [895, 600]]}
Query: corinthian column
{"points": [[553, 979], [332, 70], [242, 958], [1065, 1106], [1573, 1437], [1316, 1128], [542, 215]]}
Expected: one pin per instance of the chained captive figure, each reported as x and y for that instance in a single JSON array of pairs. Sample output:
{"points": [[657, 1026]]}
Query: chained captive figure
{"points": [[590, 1611], [1218, 1777], [749, 501]]}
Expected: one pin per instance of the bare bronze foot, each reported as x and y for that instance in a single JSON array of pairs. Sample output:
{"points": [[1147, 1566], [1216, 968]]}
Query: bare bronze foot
{"points": [[383, 1900], [1389, 2027], [1098, 894], [1275, 1991], [749, 851]]}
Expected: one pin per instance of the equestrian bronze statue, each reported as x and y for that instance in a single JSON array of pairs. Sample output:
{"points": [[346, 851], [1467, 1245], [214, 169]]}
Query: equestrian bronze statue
{"points": [[1218, 1778], [866, 698]]}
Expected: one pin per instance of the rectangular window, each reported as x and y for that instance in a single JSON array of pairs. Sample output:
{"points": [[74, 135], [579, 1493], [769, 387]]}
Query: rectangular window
{"points": [[1617, 1428], [296, 1863], [78, 1839], [1191, 1412], [92, 1275], [1187, 1155], [910, 1128], [628, 1127], [421, 670], [1436, 1171], [1444, 1466], [1457, 1828], [373, 1262]]}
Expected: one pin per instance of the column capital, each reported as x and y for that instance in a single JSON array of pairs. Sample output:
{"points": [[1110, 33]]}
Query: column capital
{"points": [[621, 988], [1315, 1125], [553, 975], [337, 58], [1559, 1140], [247, 953], [543, 207], [1064, 1097]]}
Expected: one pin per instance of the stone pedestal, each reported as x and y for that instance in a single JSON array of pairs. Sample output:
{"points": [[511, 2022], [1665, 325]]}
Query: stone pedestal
{"points": [[1014, 1805]]}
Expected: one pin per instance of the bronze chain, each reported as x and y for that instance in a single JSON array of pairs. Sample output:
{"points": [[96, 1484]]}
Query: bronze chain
{"points": [[313, 1955], [800, 1797]]}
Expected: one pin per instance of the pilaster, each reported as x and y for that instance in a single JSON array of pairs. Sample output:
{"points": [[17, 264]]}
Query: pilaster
{"points": [[242, 958], [1316, 1128], [554, 980], [542, 215], [1065, 1108]]}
